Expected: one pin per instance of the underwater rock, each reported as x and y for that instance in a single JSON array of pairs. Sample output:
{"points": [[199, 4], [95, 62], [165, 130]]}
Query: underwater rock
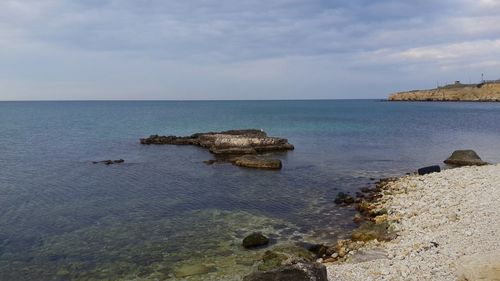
{"points": [[371, 231], [284, 255], [298, 271], [109, 162], [258, 162], [196, 269], [255, 239], [343, 198], [464, 158]]}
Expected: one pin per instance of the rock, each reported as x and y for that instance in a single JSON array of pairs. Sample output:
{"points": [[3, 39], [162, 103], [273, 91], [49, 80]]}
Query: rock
{"points": [[371, 231], [483, 266], [284, 255], [298, 271], [464, 158], [197, 269], [109, 162], [343, 198], [255, 239], [318, 249], [229, 144], [249, 141], [429, 169], [258, 162]]}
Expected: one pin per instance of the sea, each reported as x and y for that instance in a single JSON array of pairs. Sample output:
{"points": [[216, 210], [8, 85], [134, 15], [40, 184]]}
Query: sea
{"points": [[164, 210]]}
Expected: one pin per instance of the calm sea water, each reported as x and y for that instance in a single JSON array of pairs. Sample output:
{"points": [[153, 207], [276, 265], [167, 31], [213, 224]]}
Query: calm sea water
{"points": [[64, 218]]}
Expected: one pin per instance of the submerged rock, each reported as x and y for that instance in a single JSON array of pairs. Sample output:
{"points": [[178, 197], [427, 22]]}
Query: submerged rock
{"points": [[258, 162], [298, 271], [255, 239], [284, 255], [464, 158], [371, 231], [196, 269], [343, 198], [109, 162]]}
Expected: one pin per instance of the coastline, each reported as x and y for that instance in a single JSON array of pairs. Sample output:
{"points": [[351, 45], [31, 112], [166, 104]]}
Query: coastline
{"points": [[447, 228]]}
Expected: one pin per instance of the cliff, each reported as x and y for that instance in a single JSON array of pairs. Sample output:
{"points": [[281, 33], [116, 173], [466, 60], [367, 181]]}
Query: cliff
{"points": [[455, 92]]}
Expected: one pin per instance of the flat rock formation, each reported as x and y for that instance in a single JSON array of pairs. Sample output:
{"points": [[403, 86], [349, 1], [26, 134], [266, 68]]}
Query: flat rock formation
{"points": [[455, 92], [229, 146]]}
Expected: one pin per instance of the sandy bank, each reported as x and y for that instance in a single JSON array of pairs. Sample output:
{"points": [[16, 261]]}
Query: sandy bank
{"points": [[448, 226]]}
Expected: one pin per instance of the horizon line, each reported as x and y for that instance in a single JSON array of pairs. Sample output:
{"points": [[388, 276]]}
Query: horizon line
{"points": [[187, 100]]}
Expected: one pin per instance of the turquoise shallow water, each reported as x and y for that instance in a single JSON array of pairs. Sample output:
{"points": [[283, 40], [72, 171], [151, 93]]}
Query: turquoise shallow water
{"points": [[63, 218]]}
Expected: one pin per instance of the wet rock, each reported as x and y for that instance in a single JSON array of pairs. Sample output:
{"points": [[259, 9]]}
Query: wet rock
{"points": [[255, 239], [318, 249], [343, 198], [228, 145], [196, 269], [284, 255], [110, 162], [249, 141], [298, 271], [371, 231], [464, 158], [429, 170], [258, 162]]}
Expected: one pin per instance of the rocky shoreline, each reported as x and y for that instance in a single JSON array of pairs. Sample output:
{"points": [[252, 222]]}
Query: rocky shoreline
{"points": [[485, 92], [444, 225]]}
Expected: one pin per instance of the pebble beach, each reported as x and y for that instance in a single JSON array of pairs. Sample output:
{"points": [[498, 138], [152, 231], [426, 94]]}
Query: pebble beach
{"points": [[447, 227]]}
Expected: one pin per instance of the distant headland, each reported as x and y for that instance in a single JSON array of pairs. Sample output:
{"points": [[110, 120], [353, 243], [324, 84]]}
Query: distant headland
{"points": [[484, 91]]}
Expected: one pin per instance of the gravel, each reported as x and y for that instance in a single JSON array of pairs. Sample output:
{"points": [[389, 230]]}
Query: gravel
{"points": [[442, 218]]}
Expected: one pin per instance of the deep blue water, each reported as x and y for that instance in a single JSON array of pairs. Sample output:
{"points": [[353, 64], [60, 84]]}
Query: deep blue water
{"points": [[64, 218]]}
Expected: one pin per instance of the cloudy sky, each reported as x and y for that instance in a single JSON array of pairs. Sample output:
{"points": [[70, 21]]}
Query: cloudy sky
{"points": [[253, 49]]}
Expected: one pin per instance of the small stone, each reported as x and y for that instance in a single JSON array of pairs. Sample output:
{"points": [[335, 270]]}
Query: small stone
{"points": [[255, 239]]}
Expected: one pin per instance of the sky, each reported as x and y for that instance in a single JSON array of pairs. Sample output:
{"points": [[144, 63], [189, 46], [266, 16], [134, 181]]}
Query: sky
{"points": [[253, 49]]}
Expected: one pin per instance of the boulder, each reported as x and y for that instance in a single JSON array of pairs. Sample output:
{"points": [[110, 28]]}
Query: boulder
{"points": [[255, 239], [298, 271], [343, 198], [429, 170], [464, 158], [258, 162]]}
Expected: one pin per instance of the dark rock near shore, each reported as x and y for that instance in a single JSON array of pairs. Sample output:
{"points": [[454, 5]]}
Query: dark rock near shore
{"points": [[109, 162], [298, 271], [429, 170], [343, 198], [255, 239], [284, 255], [464, 158], [258, 162], [371, 231]]}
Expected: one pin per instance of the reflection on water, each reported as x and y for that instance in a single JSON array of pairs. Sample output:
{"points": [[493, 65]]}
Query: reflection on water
{"points": [[164, 212]]}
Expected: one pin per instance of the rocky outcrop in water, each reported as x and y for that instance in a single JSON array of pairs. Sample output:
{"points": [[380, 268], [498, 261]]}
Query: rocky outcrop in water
{"points": [[464, 158], [454, 92], [255, 239], [229, 146]]}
